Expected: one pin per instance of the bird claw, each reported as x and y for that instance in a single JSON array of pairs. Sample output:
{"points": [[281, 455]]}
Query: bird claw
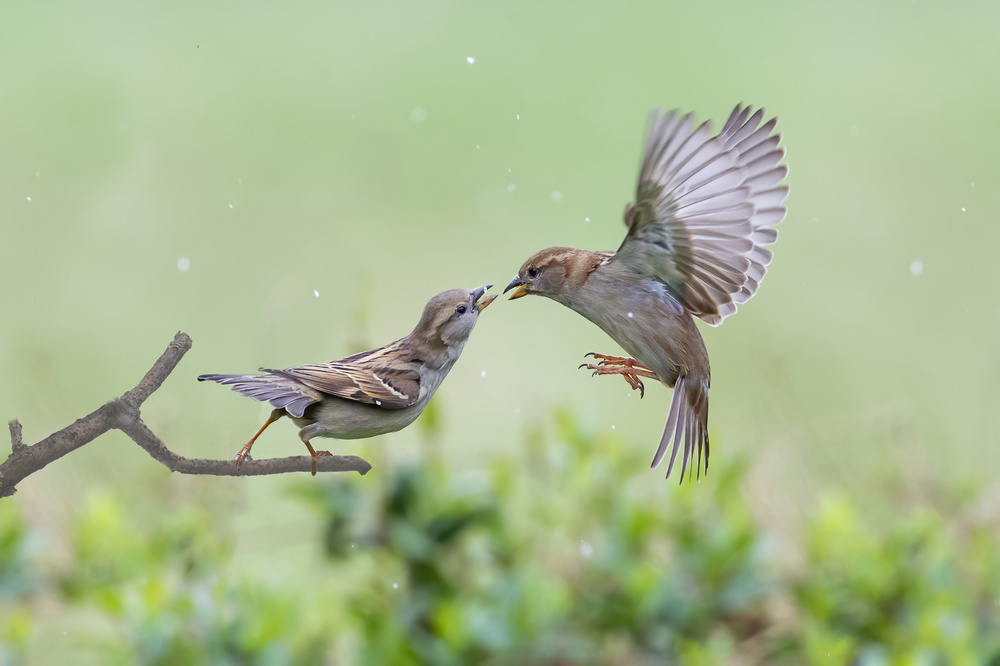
{"points": [[627, 367], [316, 456], [242, 457]]}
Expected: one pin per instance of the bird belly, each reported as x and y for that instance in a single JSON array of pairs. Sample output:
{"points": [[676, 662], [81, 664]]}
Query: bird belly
{"points": [[633, 334], [343, 419], [652, 327]]}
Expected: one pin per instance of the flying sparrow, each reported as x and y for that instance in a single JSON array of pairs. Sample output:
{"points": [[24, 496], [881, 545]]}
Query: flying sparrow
{"points": [[371, 393], [705, 205]]}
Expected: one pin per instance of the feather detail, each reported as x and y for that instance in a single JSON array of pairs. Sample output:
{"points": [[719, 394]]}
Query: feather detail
{"points": [[687, 424], [386, 377], [704, 207]]}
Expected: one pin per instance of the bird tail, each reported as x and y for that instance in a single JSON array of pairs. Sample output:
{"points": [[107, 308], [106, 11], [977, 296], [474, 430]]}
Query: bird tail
{"points": [[281, 392], [687, 424]]}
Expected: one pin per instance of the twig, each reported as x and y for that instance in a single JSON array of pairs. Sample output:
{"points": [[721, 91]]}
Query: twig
{"points": [[123, 414]]}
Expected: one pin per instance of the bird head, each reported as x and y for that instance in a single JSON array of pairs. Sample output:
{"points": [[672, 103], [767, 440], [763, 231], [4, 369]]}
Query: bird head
{"points": [[549, 272], [451, 315]]}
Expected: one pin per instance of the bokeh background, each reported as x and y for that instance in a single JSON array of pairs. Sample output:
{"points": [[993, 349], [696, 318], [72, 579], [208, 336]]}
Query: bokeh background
{"points": [[289, 184]]}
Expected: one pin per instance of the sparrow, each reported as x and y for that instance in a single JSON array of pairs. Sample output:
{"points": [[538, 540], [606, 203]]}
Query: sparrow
{"points": [[370, 393], [705, 206]]}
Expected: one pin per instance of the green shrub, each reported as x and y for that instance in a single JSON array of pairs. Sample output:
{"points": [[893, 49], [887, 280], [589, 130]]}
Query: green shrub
{"points": [[553, 558]]}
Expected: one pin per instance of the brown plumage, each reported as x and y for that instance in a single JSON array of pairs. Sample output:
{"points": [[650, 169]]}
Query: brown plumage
{"points": [[371, 393], [705, 206]]}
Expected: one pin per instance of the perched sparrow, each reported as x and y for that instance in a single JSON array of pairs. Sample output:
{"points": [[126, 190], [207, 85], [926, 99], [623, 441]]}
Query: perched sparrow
{"points": [[371, 393], [704, 207]]}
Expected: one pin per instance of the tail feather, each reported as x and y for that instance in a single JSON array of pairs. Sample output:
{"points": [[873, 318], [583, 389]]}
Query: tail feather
{"points": [[677, 436], [692, 426], [280, 392], [667, 433], [687, 422]]}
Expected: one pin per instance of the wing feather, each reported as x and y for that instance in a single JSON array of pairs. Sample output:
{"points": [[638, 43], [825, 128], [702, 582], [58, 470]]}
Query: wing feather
{"points": [[705, 205], [383, 378], [282, 392], [383, 386]]}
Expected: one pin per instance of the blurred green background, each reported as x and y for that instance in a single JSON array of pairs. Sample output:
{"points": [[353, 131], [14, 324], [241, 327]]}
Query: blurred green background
{"points": [[291, 184]]}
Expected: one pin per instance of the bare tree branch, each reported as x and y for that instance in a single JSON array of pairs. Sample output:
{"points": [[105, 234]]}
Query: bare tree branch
{"points": [[123, 414]]}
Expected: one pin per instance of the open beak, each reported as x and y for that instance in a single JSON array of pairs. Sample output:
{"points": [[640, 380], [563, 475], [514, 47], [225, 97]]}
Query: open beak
{"points": [[522, 288], [479, 299]]}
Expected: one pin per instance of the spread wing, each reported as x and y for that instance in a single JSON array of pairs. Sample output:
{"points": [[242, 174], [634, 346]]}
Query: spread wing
{"points": [[705, 207], [379, 377]]}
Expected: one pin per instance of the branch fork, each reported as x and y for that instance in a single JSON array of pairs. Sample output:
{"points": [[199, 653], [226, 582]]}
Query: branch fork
{"points": [[124, 414]]}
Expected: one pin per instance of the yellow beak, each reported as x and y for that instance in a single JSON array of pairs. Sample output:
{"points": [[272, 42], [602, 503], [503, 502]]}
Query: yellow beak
{"points": [[522, 288], [484, 301], [479, 298]]}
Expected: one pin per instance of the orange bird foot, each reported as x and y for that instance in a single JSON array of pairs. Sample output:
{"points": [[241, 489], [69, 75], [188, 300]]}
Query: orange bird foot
{"points": [[242, 457], [244, 453], [627, 367], [315, 456]]}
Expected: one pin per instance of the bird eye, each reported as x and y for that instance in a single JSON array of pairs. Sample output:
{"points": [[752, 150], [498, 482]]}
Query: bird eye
{"points": [[460, 309], [532, 272]]}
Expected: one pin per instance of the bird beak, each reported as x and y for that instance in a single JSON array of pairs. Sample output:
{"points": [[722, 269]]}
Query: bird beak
{"points": [[520, 284], [479, 300]]}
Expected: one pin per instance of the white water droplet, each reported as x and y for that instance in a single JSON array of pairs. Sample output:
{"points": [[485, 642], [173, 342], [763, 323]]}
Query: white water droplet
{"points": [[511, 187], [612, 427], [586, 219], [963, 209], [230, 205], [916, 267], [482, 374], [183, 264], [395, 586], [29, 198], [556, 195], [630, 315], [586, 549], [418, 114], [316, 293], [378, 402], [519, 116], [477, 146], [470, 60]]}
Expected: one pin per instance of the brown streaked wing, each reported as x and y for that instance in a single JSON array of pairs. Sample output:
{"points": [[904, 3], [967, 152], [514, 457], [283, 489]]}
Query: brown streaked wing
{"points": [[376, 378]]}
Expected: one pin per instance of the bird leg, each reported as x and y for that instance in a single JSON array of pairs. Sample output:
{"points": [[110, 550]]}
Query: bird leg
{"points": [[315, 454], [244, 453], [629, 368]]}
